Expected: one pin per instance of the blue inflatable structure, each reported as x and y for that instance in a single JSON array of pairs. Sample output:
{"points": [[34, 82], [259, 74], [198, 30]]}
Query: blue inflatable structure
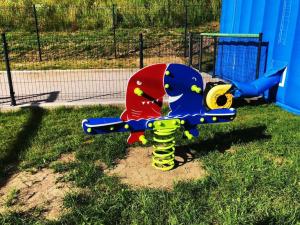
{"points": [[279, 23]]}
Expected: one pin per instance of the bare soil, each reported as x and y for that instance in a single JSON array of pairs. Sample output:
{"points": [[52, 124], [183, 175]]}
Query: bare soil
{"points": [[136, 169], [41, 190]]}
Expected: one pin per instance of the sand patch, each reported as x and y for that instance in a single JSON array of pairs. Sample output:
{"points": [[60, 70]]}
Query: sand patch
{"points": [[136, 170], [67, 157], [40, 190]]}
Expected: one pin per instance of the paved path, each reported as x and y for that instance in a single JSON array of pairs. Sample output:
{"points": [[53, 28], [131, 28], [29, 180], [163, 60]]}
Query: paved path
{"points": [[65, 86]]}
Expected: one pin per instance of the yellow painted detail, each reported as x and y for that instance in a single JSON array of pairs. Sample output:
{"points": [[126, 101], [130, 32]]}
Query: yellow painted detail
{"points": [[150, 125], [89, 130], [182, 122], [167, 86], [138, 91], [214, 119], [196, 89], [202, 120], [126, 126], [188, 135], [167, 73], [163, 157], [215, 93], [143, 139], [166, 124], [112, 128]]}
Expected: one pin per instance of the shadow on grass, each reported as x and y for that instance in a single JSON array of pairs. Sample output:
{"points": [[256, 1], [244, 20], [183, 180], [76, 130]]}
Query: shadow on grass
{"points": [[21, 143], [221, 142], [249, 102]]}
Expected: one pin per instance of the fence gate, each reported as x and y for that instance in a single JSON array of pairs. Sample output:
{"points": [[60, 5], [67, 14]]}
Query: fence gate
{"points": [[238, 57]]}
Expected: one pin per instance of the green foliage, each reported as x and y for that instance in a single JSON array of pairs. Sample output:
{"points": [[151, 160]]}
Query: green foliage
{"points": [[252, 165], [91, 14], [12, 197]]}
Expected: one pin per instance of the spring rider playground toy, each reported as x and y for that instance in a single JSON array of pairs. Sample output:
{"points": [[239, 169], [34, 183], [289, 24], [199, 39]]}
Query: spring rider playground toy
{"points": [[144, 100], [277, 24]]}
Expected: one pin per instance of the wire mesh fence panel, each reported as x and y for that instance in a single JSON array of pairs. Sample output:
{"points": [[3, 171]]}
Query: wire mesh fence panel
{"points": [[237, 59], [230, 58], [165, 49], [87, 52], [203, 54], [4, 90], [72, 69], [94, 68]]}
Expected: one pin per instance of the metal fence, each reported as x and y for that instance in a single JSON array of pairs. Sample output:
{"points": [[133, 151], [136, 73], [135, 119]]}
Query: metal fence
{"points": [[96, 68], [79, 69], [110, 20], [238, 57]]}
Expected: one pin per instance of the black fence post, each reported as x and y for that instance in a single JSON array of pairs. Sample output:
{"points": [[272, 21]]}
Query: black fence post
{"points": [[114, 28], [258, 55], [7, 64], [185, 29], [37, 32], [191, 49], [141, 51], [200, 53]]}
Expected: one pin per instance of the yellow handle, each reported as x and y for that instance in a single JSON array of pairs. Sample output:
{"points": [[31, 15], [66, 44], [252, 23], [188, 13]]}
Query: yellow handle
{"points": [[196, 89], [188, 135], [216, 92], [143, 139], [138, 91]]}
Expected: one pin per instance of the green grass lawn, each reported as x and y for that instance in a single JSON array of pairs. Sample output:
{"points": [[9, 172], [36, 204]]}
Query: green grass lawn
{"points": [[253, 166]]}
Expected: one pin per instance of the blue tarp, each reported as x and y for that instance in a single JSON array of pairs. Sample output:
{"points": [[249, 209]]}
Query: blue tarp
{"points": [[279, 21]]}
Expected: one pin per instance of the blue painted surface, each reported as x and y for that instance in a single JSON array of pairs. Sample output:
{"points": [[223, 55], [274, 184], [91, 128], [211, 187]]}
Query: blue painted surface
{"points": [[256, 87], [279, 21], [181, 79], [100, 125]]}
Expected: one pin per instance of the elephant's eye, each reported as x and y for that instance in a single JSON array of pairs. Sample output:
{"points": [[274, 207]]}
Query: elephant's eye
{"points": [[139, 83], [194, 78]]}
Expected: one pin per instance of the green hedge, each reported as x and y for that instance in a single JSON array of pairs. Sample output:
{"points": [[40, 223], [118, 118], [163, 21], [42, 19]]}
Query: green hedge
{"points": [[90, 15]]}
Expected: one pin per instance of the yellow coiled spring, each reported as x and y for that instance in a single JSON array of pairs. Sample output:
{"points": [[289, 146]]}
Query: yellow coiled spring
{"points": [[163, 156]]}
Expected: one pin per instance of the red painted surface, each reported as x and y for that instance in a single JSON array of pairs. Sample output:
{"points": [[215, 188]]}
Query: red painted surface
{"points": [[134, 137], [151, 81]]}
